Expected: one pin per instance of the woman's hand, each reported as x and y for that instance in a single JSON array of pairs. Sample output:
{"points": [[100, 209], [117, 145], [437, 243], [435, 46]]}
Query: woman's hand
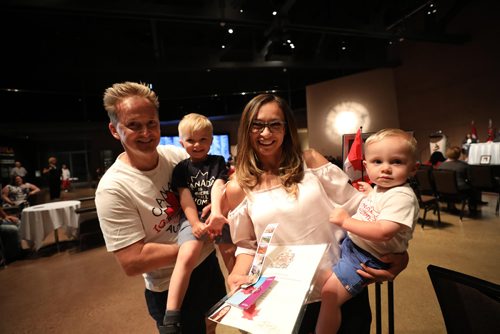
{"points": [[215, 223], [12, 219], [239, 274], [236, 280], [398, 263], [364, 187], [205, 212], [338, 216]]}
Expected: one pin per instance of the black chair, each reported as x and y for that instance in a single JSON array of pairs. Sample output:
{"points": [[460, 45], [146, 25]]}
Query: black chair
{"points": [[482, 178], [89, 230], [425, 191], [447, 188], [425, 180], [468, 304]]}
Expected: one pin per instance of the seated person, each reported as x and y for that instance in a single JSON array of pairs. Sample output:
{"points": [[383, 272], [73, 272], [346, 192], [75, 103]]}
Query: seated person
{"points": [[10, 240], [436, 159], [462, 172], [17, 193]]}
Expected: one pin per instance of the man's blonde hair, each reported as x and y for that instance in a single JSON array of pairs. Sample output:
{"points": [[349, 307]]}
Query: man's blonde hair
{"points": [[392, 132], [194, 122], [120, 91]]}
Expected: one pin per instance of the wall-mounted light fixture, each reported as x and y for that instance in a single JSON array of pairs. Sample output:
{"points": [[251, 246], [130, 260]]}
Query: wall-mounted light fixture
{"points": [[346, 117]]}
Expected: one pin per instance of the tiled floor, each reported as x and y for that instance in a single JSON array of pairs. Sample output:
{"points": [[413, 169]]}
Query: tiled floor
{"points": [[86, 292]]}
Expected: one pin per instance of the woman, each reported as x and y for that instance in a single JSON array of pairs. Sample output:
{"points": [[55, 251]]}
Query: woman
{"points": [[17, 193], [436, 159], [275, 182]]}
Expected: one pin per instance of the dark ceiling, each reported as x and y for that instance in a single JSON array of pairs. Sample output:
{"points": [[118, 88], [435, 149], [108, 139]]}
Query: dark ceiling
{"points": [[58, 56]]}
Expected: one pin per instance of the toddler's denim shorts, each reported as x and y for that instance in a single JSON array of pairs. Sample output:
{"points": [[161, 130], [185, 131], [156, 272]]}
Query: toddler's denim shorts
{"points": [[351, 258]]}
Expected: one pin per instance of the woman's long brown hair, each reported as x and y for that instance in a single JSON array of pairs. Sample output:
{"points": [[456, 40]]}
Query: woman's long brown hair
{"points": [[248, 167]]}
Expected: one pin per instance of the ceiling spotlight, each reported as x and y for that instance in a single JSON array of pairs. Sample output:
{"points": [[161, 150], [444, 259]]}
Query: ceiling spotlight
{"points": [[230, 30], [241, 10], [223, 46], [222, 24], [275, 13], [292, 46]]}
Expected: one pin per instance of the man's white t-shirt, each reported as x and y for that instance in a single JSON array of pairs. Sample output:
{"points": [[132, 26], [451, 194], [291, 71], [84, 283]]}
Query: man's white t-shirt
{"points": [[133, 205]]}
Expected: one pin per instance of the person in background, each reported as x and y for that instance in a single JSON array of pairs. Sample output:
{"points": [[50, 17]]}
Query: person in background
{"points": [[140, 214], [230, 165], [98, 174], [17, 193], [18, 170], [436, 159], [462, 174], [383, 223], [10, 238], [276, 182], [65, 178], [97, 177], [199, 180], [497, 137], [53, 174]]}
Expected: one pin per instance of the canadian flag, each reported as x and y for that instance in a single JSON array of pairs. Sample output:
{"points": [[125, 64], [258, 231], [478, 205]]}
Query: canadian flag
{"points": [[353, 165], [473, 131]]}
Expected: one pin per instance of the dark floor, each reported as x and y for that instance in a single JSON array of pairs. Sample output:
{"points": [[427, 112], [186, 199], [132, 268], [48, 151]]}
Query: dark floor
{"points": [[76, 291]]}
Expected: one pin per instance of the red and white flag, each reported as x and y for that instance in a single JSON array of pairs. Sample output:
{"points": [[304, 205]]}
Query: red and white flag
{"points": [[473, 132], [353, 165]]}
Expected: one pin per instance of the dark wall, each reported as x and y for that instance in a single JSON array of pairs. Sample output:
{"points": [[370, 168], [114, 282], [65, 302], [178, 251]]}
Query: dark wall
{"points": [[438, 86], [445, 87]]}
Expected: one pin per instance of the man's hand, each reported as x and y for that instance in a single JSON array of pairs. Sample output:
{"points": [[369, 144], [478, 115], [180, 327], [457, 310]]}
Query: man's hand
{"points": [[398, 263], [338, 216]]}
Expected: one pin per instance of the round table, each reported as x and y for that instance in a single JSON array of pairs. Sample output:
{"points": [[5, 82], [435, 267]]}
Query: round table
{"points": [[38, 221]]}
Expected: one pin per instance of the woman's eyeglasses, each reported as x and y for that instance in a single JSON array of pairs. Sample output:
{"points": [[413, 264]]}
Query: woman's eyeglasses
{"points": [[273, 126]]}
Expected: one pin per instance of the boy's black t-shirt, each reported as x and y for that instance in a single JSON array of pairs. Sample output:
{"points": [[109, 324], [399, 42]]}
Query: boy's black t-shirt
{"points": [[199, 177]]}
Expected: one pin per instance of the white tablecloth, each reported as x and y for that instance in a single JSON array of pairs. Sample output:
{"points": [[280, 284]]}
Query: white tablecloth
{"points": [[484, 149], [38, 221]]}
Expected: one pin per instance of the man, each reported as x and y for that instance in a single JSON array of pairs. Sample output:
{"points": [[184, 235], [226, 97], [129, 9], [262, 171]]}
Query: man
{"points": [[140, 215], [53, 174], [10, 241], [18, 170]]}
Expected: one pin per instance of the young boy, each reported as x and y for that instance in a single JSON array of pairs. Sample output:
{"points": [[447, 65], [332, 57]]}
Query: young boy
{"points": [[199, 181], [383, 223]]}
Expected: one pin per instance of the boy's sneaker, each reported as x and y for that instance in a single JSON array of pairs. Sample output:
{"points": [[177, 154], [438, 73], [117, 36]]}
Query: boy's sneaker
{"points": [[170, 328], [171, 323]]}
